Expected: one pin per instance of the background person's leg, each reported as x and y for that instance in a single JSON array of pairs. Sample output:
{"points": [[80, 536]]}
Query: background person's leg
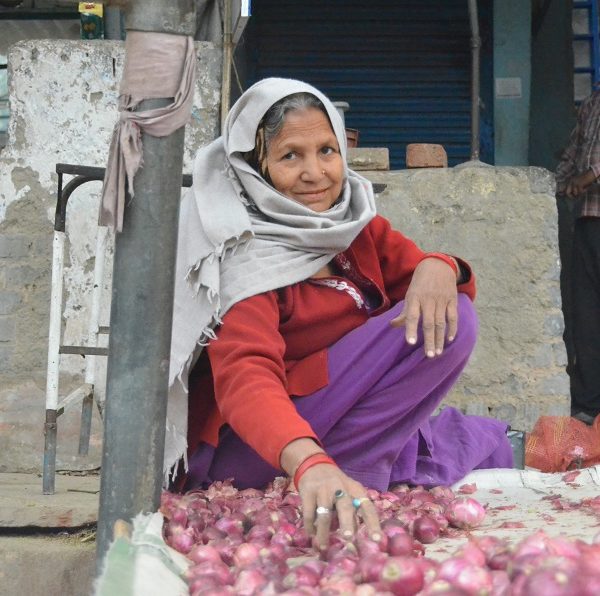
{"points": [[585, 377]]}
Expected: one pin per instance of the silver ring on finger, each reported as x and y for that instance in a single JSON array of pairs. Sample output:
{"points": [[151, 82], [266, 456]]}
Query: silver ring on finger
{"points": [[338, 494], [323, 511]]}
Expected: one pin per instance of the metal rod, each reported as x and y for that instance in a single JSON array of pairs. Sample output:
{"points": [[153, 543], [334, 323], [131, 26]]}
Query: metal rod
{"points": [[475, 78], [227, 58], [141, 310], [112, 23], [49, 470], [85, 429]]}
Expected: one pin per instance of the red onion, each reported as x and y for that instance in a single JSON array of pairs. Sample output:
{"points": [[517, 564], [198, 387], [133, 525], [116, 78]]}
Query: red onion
{"points": [[426, 529], [201, 553], [249, 582], [465, 513], [402, 545], [337, 584], [232, 524], [246, 555], [301, 576], [441, 587], [211, 533], [392, 526], [369, 567], [471, 553], [260, 534], [402, 575], [547, 582], [180, 538], [501, 583], [218, 572], [226, 549], [344, 565]]}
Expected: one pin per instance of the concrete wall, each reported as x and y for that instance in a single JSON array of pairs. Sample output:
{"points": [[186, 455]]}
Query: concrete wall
{"points": [[512, 80], [63, 97], [503, 221]]}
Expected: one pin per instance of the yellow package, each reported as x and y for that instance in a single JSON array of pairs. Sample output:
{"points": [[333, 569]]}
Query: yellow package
{"points": [[92, 22]]}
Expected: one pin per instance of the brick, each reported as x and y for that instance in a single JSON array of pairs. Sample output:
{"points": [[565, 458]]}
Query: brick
{"points": [[426, 155], [9, 302], [14, 246], [7, 329], [368, 158]]}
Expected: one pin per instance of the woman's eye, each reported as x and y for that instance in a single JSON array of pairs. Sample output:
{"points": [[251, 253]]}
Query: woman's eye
{"points": [[289, 155], [327, 150]]}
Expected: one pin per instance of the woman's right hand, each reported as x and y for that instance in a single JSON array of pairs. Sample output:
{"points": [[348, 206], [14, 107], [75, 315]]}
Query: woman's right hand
{"points": [[326, 486], [318, 488]]}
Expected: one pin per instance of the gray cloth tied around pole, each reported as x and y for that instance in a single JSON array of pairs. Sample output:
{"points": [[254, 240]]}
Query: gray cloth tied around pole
{"points": [[157, 65]]}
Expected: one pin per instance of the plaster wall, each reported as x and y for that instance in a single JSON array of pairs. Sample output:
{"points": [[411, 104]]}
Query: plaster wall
{"points": [[63, 102], [512, 81]]}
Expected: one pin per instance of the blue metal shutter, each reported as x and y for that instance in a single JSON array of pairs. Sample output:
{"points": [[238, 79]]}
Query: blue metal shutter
{"points": [[403, 66]]}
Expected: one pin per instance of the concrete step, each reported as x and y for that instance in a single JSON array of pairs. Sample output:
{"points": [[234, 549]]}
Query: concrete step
{"points": [[47, 542], [46, 565]]}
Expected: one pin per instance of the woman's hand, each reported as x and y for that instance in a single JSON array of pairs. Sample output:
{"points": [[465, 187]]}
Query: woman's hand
{"points": [[326, 486], [431, 298]]}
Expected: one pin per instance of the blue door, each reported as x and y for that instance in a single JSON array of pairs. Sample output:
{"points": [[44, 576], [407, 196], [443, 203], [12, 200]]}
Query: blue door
{"points": [[403, 66]]}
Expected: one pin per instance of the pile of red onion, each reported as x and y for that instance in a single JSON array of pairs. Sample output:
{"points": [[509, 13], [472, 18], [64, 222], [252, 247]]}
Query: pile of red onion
{"points": [[252, 542]]}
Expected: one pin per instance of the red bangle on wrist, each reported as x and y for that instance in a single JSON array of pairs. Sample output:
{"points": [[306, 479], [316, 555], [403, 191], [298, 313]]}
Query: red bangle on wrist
{"points": [[442, 257], [309, 462]]}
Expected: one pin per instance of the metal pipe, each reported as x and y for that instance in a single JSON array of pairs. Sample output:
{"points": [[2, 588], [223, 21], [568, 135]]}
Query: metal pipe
{"points": [[112, 23], [475, 78], [227, 58], [141, 310]]}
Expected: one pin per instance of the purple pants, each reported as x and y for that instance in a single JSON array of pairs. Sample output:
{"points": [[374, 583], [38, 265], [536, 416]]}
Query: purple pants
{"points": [[375, 415]]}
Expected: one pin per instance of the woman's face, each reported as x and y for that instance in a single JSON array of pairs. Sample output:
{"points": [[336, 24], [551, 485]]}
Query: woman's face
{"points": [[304, 160]]}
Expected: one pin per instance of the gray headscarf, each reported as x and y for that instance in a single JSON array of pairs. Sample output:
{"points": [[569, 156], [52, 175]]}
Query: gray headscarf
{"points": [[238, 237]]}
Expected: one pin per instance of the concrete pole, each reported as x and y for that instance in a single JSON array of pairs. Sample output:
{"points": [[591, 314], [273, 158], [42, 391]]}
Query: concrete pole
{"points": [[141, 309], [227, 59], [475, 78]]}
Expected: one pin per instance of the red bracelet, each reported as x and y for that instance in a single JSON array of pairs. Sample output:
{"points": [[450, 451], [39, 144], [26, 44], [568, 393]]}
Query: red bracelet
{"points": [[309, 462], [442, 257]]}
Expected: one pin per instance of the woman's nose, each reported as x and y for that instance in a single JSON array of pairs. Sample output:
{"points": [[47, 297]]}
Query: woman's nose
{"points": [[312, 170]]}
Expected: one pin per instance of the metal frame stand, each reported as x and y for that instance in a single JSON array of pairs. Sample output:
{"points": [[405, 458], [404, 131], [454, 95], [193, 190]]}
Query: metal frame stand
{"points": [[85, 392]]}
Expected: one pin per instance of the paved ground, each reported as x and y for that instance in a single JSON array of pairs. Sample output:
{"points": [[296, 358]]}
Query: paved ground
{"points": [[47, 542]]}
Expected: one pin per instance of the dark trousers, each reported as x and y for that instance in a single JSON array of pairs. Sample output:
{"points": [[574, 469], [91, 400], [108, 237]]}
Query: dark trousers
{"points": [[585, 296]]}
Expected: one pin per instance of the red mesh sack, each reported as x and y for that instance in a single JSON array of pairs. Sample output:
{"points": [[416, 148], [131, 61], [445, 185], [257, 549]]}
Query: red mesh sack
{"points": [[560, 443]]}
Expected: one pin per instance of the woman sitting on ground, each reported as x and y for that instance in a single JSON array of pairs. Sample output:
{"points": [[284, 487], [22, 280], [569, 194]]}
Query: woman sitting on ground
{"points": [[336, 336]]}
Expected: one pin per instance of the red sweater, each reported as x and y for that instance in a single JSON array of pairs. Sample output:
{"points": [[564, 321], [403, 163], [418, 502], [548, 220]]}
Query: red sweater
{"points": [[274, 345]]}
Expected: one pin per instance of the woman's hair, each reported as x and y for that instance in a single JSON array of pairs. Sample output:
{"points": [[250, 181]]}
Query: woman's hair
{"points": [[272, 123], [274, 119]]}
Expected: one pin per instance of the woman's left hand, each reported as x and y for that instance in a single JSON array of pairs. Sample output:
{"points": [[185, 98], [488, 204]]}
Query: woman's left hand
{"points": [[432, 299]]}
